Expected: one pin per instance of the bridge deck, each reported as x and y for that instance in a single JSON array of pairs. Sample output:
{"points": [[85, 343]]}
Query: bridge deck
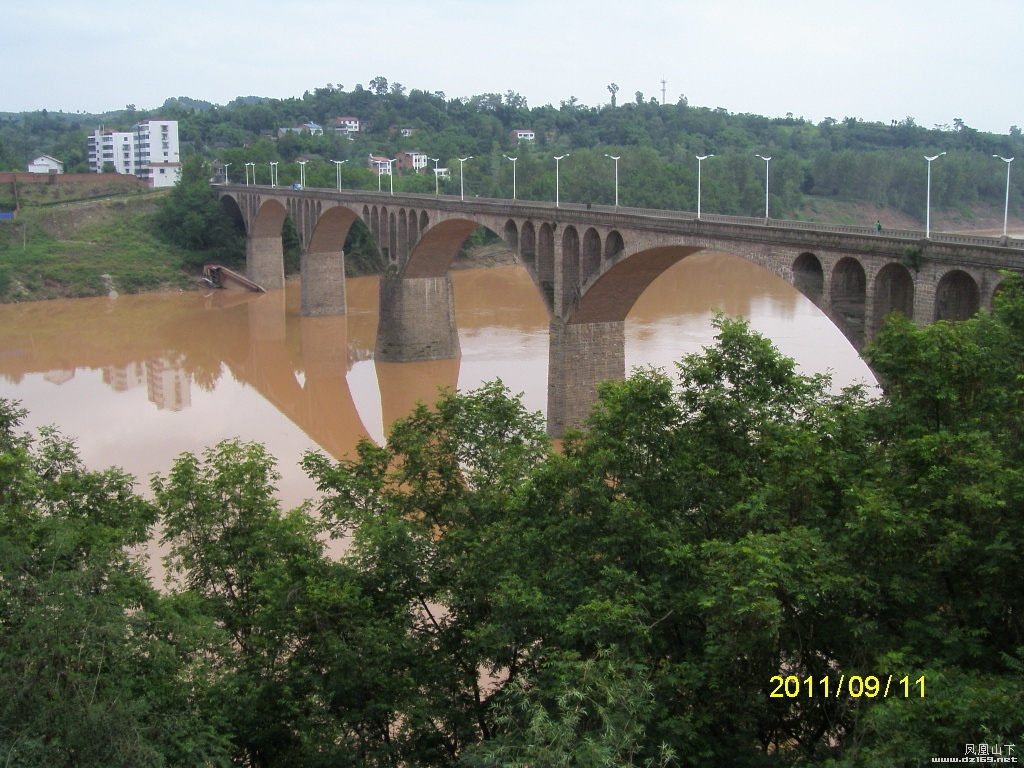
{"points": [[626, 216]]}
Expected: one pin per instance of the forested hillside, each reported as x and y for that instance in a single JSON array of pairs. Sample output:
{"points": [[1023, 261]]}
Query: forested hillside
{"points": [[848, 159]]}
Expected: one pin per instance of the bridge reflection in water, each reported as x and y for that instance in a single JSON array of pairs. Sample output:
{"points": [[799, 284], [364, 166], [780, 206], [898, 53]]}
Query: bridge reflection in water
{"points": [[138, 379]]}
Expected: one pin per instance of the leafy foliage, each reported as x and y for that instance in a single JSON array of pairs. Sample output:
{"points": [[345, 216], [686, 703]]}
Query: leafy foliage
{"points": [[848, 159], [192, 217], [623, 601]]}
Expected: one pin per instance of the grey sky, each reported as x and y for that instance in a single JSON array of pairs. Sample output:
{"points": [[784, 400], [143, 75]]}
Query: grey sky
{"points": [[876, 59]]}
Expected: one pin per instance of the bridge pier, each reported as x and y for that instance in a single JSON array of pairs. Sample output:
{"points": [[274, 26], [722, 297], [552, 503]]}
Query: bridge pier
{"points": [[579, 356], [323, 284], [264, 261], [417, 320]]}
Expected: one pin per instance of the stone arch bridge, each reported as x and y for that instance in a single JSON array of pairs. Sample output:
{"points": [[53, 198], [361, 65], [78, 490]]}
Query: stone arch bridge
{"points": [[591, 264]]}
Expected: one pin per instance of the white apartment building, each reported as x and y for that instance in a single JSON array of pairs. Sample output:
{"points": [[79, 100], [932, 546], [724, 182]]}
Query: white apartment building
{"points": [[157, 156], [150, 151], [114, 147]]}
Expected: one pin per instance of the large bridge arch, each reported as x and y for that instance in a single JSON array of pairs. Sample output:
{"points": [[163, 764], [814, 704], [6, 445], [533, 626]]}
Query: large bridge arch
{"points": [[323, 263], [264, 252], [438, 247], [609, 296], [233, 208]]}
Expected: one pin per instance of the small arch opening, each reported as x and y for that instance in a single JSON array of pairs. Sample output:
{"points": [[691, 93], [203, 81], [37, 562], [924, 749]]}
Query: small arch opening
{"points": [[613, 245], [528, 242], [392, 239], [956, 297], [591, 254], [894, 292], [809, 277], [570, 264], [849, 296], [546, 254], [512, 234]]}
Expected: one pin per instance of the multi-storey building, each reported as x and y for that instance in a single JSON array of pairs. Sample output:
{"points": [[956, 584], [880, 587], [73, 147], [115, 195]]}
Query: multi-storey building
{"points": [[381, 166], [114, 147], [150, 151], [346, 124], [157, 156], [411, 161]]}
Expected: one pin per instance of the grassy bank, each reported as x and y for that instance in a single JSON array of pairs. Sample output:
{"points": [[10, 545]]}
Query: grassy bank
{"points": [[63, 251]]}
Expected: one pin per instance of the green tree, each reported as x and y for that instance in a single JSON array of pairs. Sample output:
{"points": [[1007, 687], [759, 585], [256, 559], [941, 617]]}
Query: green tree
{"points": [[96, 670], [192, 217]]}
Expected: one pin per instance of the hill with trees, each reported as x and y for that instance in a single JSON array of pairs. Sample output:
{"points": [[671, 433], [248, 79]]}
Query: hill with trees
{"points": [[849, 159]]}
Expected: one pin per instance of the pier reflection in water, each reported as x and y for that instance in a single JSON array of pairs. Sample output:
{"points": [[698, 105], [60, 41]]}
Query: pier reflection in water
{"points": [[136, 380]]}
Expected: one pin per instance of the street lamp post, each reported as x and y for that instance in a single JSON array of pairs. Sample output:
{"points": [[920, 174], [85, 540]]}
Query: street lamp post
{"points": [[1006, 210], [226, 172], [337, 168], [273, 174], [302, 172], [462, 184], [513, 159], [928, 203], [436, 161], [767, 160], [557, 158], [391, 177], [247, 173], [616, 159], [700, 158]]}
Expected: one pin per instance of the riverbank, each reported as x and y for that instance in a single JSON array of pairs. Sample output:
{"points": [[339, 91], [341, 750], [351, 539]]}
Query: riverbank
{"points": [[64, 251]]}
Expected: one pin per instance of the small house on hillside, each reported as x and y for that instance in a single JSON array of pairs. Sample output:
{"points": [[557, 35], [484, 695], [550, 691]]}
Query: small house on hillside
{"points": [[311, 128], [345, 124], [381, 166], [46, 164], [521, 134], [411, 161]]}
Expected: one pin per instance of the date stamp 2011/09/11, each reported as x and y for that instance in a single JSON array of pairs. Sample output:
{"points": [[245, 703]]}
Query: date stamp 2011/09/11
{"points": [[854, 686]]}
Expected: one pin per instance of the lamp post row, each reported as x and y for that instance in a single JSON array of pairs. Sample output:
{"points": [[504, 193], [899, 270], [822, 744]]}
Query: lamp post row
{"points": [[558, 158]]}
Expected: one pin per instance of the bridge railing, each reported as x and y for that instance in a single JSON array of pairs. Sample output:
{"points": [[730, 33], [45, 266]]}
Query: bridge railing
{"points": [[455, 202]]}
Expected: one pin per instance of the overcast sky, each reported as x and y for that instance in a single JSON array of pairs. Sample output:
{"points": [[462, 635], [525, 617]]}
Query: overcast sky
{"points": [[935, 60]]}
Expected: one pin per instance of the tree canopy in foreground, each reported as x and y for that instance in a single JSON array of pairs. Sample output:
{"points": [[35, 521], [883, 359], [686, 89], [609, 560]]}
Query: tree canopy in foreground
{"points": [[623, 602]]}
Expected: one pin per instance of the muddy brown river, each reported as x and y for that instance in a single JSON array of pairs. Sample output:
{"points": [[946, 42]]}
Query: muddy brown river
{"points": [[137, 380]]}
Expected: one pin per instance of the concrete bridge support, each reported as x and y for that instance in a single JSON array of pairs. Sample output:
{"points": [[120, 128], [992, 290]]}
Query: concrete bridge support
{"points": [[264, 261], [579, 356], [323, 284], [417, 320]]}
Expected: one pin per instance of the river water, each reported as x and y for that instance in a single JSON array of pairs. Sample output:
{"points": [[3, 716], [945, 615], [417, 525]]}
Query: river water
{"points": [[137, 380]]}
